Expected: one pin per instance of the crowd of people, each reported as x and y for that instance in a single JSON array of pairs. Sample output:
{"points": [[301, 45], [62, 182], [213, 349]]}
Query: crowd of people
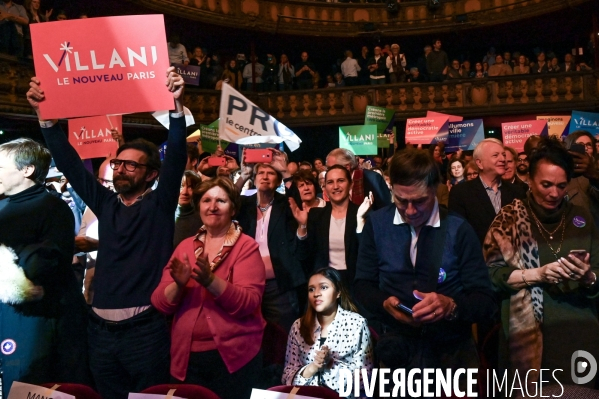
{"points": [[387, 64], [364, 263], [270, 72]]}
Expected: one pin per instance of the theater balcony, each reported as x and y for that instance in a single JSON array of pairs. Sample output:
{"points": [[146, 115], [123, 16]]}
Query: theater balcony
{"points": [[509, 95], [317, 18]]}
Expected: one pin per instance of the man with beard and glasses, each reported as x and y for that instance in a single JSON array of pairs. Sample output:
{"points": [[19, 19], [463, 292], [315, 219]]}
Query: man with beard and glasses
{"points": [[129, 341], [522, 167]]}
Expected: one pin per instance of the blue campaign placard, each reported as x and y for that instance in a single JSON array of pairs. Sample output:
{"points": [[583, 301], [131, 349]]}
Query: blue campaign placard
{"points": [[465, 135], [588, 121]]}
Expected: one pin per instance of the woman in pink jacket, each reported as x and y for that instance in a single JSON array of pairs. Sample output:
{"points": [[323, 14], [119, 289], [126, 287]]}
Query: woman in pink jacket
{"points": [[213, 285]]}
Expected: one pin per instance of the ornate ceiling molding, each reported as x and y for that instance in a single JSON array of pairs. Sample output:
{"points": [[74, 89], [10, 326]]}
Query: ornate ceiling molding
{"points": [[298, 17]]}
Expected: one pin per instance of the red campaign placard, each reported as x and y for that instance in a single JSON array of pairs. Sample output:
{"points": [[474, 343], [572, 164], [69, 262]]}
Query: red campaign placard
{"points": [[101, 66], [452, 118], [426, 130], [91, 137], [515, 134]]}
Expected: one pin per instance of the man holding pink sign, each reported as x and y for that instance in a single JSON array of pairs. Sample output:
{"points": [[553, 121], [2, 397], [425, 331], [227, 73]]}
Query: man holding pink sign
{"points": [[129, 341]]}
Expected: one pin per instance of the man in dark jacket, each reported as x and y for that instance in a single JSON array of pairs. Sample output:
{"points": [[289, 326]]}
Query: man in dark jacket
{"points": [[437, 63], [479, 200], [415, 254], [128, 339]]}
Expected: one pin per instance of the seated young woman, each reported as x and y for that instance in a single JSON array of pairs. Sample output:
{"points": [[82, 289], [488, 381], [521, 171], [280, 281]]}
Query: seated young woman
{"points": [[329, 337]]}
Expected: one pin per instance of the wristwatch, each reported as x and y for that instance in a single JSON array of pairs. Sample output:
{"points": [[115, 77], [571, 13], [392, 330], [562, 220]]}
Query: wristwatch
{"points": [[303, 226], [453, 314]]}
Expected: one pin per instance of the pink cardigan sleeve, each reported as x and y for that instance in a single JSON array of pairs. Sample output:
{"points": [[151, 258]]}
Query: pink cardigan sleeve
{"points": [[158, 298], [246, 286]]}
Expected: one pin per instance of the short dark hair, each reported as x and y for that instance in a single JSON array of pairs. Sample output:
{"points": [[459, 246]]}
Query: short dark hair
{"points": [[194, 181], [224, 183], [414, 167], [193, 152], [27, 152], [531, 143], [552, 151], [259, 166], [338, 167], [305, 163], [453, 160], [147, 148], [305, 176]]}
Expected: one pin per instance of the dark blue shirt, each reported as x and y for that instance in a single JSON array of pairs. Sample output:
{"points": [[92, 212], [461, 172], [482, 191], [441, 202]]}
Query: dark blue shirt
{"points": [[136, 241]]}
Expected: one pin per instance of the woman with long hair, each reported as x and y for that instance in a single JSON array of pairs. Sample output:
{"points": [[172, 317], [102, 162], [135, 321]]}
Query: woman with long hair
{"points": [[232, 75], [542, 258], [331, 335], [455, 172]]}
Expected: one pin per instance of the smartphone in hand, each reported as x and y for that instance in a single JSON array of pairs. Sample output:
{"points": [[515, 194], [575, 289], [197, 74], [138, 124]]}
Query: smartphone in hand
{"points": [[217, 161], [579, 253], [258, 156], [404, 308]]}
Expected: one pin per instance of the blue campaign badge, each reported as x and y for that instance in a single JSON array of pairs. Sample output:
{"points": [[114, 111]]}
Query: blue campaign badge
{"points": [[8, 346], [442, 276], [579, 221]]}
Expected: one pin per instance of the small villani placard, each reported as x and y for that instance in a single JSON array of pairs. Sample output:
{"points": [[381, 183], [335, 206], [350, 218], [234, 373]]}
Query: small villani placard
{"points": [[21, 390], [91, 137]]}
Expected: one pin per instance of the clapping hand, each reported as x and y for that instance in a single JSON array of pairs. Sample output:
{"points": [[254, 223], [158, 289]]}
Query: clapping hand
{"points": [[363, 209], [202, 273], [180, 271]]}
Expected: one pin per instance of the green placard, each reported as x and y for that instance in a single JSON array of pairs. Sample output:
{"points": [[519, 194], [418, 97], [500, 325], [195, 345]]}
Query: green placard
{"points": [[382, 141], [360, 139], [384, 119], [210, 137]]}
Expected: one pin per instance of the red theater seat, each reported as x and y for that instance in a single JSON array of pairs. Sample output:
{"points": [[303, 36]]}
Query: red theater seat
{"points": [[308, 390], [77, 390], [187, 391]]}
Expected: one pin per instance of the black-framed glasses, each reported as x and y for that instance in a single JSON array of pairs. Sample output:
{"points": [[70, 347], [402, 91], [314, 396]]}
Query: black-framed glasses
{"points": [[587, 145], [130, 166], [522, 160], [473, 174]]}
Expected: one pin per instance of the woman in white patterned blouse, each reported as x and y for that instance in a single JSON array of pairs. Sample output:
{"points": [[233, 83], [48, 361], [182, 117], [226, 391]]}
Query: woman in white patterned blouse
{"points": [[330, 337]]}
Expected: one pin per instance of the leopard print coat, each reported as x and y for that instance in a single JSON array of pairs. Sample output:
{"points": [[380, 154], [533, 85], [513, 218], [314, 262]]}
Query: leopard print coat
{"points": [[509, 242]]}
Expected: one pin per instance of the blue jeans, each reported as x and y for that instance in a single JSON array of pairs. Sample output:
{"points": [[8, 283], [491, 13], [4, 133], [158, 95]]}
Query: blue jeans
{"points": [[130, 359]]}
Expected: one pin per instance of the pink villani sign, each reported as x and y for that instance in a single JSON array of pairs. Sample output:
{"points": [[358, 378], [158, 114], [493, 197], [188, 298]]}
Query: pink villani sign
{"points": [[91, 137], [100, 66]]}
